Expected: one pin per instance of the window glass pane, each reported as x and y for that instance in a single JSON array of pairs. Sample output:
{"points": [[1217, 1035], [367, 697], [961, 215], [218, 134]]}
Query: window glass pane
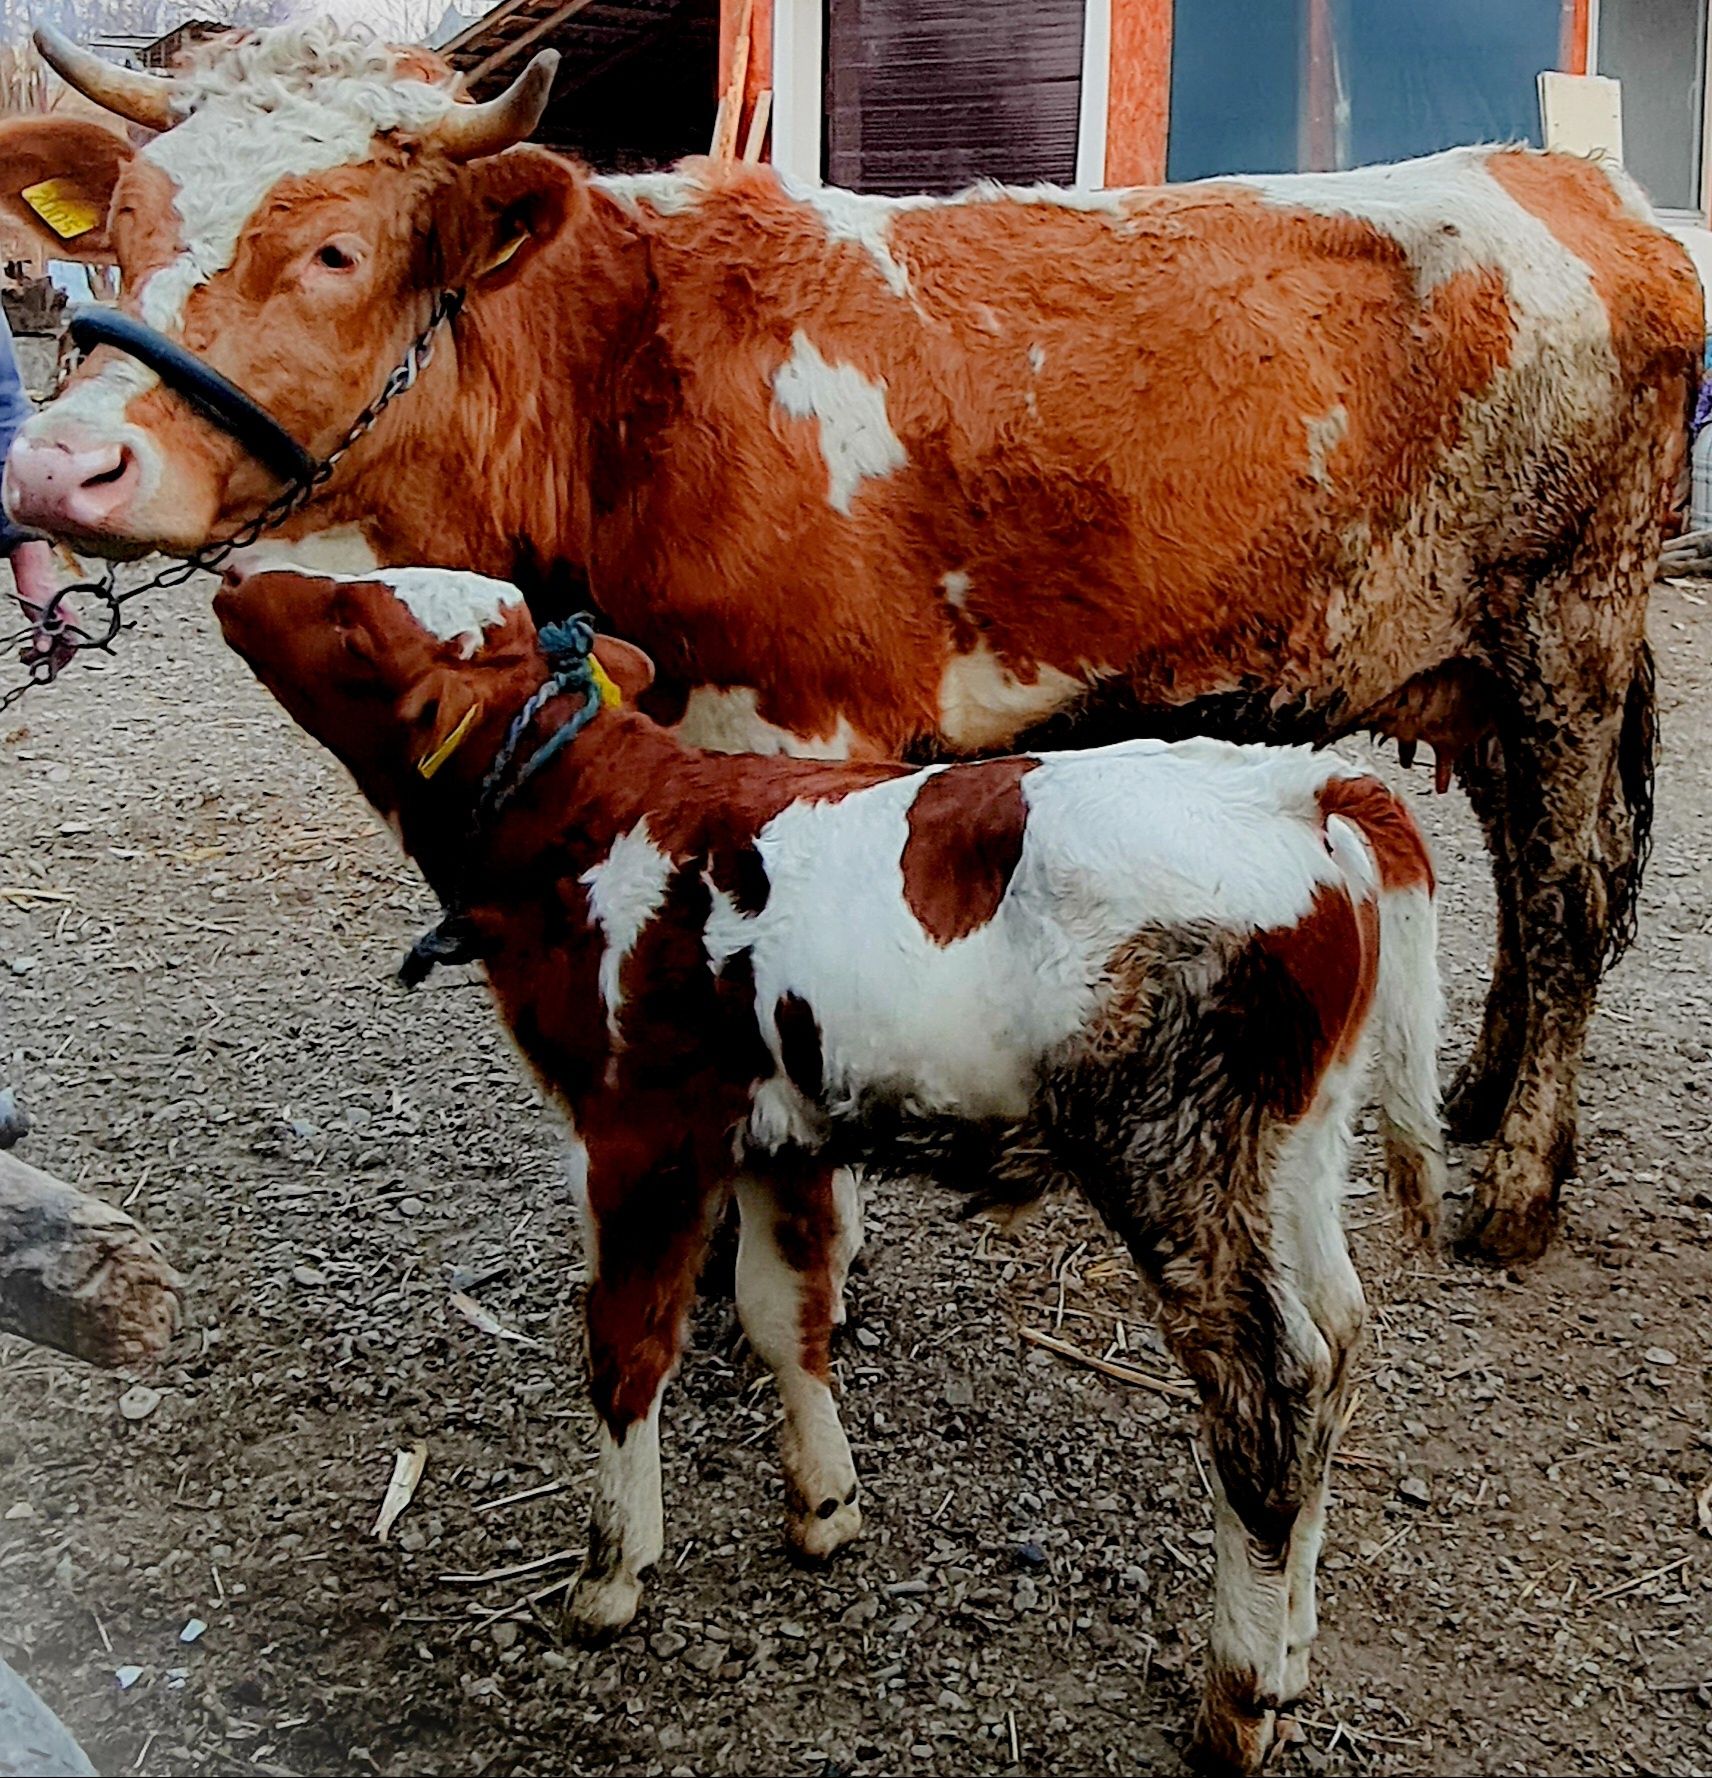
{"points": [[1657, 48], [1281, 85]]}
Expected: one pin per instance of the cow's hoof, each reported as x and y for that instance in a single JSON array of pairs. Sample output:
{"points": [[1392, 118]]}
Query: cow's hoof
{"points": [[601, 1607], [1507, 1234], [817, 1536], [1230, 1741]]}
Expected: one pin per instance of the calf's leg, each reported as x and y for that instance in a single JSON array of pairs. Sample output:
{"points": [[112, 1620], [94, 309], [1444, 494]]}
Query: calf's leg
{"points": [[649, 1209], [792, 1256]]}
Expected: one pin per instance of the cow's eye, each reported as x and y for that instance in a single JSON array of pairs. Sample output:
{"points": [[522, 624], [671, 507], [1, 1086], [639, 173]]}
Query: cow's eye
{"points": [[337, 256]]}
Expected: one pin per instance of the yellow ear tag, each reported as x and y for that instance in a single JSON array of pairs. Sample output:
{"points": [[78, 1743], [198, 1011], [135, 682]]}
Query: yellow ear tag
{"points": [[610, 696], [62, 208], [430, 763], [507, 252]]}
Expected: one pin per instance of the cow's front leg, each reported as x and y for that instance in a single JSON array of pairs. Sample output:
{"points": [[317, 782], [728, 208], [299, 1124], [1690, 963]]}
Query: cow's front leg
{"points": [[791, 1258], [649, 1211]]}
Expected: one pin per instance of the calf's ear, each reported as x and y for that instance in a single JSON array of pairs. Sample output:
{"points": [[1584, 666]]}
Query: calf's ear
{"points": [[498, 212], [56, 183], [625, 665], [440, 710]]}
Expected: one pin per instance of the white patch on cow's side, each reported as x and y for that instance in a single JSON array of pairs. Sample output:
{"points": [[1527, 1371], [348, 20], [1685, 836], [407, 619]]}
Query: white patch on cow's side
{"points": [[626, 890], [983, 704], [285, 102], [1449, 215], [954, 584], [1104, 200], [856, 438], [667, 194], [1325, 434], [342, 551], [1037, 358], [451, 604], [727, 719], [861, 217]]}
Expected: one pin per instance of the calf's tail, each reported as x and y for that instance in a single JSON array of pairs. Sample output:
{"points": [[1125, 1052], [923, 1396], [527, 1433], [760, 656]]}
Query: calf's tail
{"points": [[1390, 865]]}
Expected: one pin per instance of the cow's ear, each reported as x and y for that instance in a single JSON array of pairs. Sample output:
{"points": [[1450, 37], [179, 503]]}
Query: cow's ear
{"points": [[440, 710], [56, 182], [625, 665], [500, 211]]}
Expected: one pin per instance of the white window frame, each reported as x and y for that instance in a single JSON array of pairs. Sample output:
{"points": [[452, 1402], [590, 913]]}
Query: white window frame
{"points": [[1700, 216], [799, 90], [1095, 102]]}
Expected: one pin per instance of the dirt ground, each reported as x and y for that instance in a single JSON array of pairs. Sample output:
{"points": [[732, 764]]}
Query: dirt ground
{"points": [[199, 925]]}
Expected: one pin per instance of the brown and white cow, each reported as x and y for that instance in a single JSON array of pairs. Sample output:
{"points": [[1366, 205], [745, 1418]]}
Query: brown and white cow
{"points": [[1154, 973], [1279, 457]]}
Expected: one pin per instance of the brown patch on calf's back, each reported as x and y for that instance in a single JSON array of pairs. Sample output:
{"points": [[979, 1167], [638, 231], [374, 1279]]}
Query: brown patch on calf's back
{"points": [[1387, 826], [965, 837]]}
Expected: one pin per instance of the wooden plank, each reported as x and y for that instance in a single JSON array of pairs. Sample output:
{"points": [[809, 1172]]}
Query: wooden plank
{"points": [[758, 126], [77, 1274], [730, 116]]}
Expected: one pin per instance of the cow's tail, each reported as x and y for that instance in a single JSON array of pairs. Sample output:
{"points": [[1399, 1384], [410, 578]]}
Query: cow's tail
{"points": [[1390, 865], [1637, 761]]}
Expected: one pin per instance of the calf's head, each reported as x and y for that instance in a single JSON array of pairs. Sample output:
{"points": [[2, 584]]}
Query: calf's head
{"points": [[305, 197], [410, 676]]}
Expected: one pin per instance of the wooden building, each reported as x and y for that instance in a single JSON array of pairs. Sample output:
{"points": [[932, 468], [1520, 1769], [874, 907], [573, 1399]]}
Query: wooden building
{"points": [[914, 95]]}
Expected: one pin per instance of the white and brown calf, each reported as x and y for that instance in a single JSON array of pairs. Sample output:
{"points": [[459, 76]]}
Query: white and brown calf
{"points": [[1155, 973]]}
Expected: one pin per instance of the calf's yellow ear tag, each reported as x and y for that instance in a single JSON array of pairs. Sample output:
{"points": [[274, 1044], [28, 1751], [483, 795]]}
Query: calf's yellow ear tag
{"points": [[430, 763], [62, 207], [610, 696]]}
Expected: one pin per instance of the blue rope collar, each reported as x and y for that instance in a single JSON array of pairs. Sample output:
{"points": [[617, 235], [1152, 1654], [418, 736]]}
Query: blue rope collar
{"points": [[572, 668]]}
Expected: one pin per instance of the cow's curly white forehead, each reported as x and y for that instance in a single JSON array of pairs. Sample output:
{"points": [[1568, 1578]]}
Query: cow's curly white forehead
{"points": [[256, 109], [343, 67]]}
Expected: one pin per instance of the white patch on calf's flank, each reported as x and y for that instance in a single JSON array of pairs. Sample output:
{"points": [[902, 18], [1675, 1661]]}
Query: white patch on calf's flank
{"points": [[1324, 436], [727, 719], [287, 102], [1037, 358], [856, 438], [954, 584], [983, 704], [667, 194], [626, 890]]}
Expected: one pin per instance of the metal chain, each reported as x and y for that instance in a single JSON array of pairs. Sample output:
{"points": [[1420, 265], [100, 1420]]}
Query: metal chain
{"points": [[55, 638]]}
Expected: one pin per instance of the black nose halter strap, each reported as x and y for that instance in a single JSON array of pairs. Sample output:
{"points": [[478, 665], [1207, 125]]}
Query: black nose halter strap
{"points": [[211, 394]]}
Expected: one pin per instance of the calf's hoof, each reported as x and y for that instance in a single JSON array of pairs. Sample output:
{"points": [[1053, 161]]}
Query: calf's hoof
{"points": [[601, 1606], [815, 1537], [1295, 1685], [1231, 1739]]}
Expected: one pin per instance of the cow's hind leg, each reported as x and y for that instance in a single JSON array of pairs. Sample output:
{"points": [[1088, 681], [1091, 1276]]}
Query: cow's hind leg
{"points": [[1578, 798], [1475, 1104], [649, 1209], [792, 1256]]}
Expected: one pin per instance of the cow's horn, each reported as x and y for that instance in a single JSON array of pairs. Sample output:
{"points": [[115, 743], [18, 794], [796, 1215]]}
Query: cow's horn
{"points": [[466, 132], [143, 98]]}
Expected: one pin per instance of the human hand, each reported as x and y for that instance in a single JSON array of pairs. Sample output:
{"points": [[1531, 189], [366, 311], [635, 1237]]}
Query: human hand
{"points": [[33, 577]]}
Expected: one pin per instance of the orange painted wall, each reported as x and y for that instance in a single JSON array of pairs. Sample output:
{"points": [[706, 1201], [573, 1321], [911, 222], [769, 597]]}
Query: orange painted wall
{"points": [[1138, 115]]}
